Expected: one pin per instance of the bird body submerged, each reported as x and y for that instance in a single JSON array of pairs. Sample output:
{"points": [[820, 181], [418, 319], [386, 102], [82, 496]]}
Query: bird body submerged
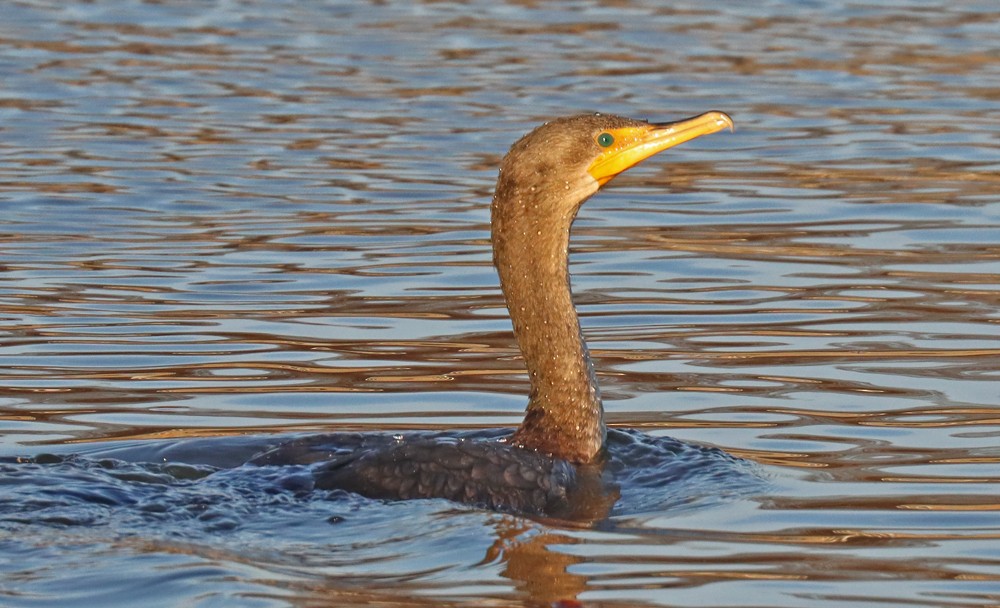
{"points": [[552, 461], [488, 473]]}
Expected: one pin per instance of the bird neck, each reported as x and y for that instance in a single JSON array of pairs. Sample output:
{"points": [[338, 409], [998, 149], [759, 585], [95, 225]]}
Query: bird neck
{"points": [[565, 417]]}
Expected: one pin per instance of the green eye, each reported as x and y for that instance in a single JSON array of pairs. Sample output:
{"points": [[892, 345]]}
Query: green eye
{"points": [[605, 139]]}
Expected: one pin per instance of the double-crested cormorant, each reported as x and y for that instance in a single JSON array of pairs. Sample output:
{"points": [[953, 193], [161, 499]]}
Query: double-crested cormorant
{"points": [[549, 459]]}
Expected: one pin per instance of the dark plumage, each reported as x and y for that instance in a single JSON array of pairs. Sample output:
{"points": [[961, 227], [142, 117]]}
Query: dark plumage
{"points": [[486, 473]]}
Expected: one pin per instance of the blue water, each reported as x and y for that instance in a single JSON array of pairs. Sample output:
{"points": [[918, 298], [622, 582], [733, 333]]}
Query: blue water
{"points": [[226, 226]]}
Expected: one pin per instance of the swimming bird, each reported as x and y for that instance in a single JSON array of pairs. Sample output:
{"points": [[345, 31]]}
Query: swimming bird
{"points": [[552, 461]]}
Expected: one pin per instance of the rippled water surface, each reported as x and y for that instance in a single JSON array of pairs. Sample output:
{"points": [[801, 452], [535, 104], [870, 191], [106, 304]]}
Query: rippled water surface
{"points": [[227, 224]]}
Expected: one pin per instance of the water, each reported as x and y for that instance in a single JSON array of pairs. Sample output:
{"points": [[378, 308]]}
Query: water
{"points": [[228, 225]]}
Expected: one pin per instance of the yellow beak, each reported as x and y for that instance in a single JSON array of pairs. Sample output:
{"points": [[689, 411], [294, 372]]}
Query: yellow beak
{"points": [[633, 145]]}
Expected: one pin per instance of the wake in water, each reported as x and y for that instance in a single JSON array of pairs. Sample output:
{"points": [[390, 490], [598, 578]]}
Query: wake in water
{"points": [[227, 483]]}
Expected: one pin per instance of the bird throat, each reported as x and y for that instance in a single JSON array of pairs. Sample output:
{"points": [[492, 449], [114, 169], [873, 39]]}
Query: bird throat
{"points": [[565, 417]]}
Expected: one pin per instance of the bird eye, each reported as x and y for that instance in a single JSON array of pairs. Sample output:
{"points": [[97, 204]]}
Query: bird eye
{"points": [[605, 139]]}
